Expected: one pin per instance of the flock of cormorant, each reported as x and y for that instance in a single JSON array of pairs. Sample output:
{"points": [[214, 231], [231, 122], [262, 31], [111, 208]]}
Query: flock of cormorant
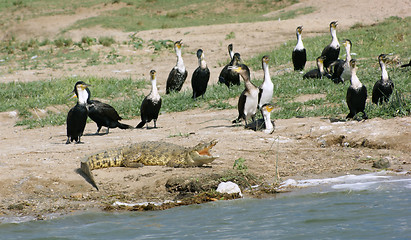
{"points": [[251, 100], [340, 71]]}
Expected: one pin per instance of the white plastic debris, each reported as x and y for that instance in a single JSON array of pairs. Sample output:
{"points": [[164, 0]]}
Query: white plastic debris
{"points": [[229, 187]]}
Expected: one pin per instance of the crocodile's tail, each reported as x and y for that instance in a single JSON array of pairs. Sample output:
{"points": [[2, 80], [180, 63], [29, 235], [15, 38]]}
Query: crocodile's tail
{"points": [[85, 167], [109, 158]]}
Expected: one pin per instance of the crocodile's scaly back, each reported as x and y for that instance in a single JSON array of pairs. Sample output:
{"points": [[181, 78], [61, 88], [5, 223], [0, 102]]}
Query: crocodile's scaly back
{"points": [[154, 153]]}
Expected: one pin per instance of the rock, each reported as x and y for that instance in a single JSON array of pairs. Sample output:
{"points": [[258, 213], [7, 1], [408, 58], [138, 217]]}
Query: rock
{"points": [[229, 187], [77, 196], [381, 164]]}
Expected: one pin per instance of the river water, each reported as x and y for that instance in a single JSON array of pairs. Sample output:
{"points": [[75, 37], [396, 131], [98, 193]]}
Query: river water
{"points": [[370, 206]]}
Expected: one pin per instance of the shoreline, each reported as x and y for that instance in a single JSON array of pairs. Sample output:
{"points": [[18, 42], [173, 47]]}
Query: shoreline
{"points": [[289, 187]]}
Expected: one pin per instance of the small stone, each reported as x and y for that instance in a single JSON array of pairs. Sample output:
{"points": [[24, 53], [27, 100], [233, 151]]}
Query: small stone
{"points": [[76, 195], [381, 164]]}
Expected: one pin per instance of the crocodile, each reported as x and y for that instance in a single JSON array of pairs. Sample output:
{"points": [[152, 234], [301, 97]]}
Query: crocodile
{"points": [[150, 153]]}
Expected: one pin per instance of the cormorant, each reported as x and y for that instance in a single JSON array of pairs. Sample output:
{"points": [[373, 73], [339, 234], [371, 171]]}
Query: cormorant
{"points": [[77, 116], [104, 115], [299, 55], [150, 107], [318, 72], [223, 73], [356, 93], [266, 123], [342, 70], [331, 51], [382, 89], [178, 74], [267, 87], [228, 76], [200, 77], [248, 100]]}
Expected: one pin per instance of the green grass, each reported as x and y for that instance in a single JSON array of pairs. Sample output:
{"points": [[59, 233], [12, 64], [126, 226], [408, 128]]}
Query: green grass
{"points": [[390, 36], [283, 15], [126, 94], [158, 14]]}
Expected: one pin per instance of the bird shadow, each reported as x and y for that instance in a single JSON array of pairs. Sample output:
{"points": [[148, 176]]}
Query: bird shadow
{"points": [[96, 134], [223, 126]]}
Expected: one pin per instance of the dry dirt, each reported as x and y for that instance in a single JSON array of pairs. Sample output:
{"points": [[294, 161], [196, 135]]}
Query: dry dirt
{"points": [[39, 171]]}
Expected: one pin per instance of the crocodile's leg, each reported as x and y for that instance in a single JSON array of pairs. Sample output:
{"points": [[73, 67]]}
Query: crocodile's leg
{"points": [[134, 162]]}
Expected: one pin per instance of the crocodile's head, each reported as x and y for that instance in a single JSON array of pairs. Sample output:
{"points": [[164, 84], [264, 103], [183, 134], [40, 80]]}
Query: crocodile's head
{"points": [[200, 154]]}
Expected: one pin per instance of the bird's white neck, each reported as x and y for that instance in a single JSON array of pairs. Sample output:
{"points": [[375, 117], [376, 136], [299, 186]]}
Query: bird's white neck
{"points": [[334, 42], [267, 78], [231, 53], [154, 86], [321, 68], [180, 63], [348, 52], [300, 45], [202, 63], [154, 93], [82, 96], [267, 120], [384, 73], [248, 84], [355, 82]]}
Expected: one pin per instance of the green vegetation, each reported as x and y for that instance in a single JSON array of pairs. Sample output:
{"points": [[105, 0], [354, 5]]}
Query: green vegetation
{"points": [[239, 165], [157, 14], [231, 35], [391, 36], [283, 15], [32, 54]]}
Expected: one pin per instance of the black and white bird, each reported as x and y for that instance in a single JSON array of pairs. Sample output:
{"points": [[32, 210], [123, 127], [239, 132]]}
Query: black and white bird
{"points": [[299, 55], [331, 51], [267, 87], [342, 71], [200, 77], [150, 107], [104, 115], [266, 124], [318, 72], [356, 94], [248, 100], [383, 88], [228, 76], [178, 74], [77, 116]]}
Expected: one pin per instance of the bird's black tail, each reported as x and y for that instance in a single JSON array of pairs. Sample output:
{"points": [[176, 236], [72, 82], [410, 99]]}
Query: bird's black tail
{"points": [[124, 126], [141, 124], [222, 80], [407, 65]]}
